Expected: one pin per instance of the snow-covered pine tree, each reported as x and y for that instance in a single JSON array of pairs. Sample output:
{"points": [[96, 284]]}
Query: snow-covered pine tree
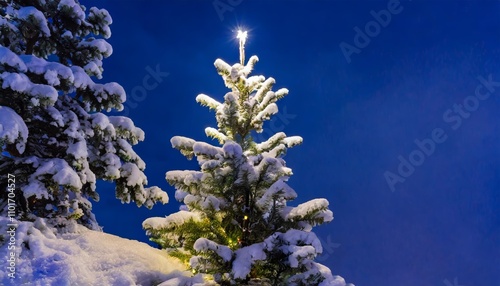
{"points": [[235, 226], [55, 140]]}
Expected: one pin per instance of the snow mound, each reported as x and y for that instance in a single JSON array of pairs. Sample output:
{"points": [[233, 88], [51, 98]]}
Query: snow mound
{"points": [[85, 257]]}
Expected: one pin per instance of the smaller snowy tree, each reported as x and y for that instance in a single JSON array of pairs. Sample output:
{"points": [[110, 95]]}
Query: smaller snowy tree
{"points": [[235, 226], [56, 141]]}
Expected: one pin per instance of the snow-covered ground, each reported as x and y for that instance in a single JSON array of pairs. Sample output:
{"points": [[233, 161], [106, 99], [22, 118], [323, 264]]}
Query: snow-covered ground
{"points": [[83, 257]]}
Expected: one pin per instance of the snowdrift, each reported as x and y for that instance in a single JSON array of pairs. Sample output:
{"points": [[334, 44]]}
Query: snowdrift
{"points": [[82, 257]]}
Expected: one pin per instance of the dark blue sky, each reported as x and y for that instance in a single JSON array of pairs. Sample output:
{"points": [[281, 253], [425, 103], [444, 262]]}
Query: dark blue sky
{"points": [[442, 223]]}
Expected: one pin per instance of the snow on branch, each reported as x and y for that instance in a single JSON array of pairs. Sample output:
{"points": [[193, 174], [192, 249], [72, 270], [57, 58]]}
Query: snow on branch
{"points": [[299, 253], [125, 127], [172, 220], [310, 213], [113, 89], [185, 179], [278, 189], [232, 149], [13, 130], [270, 169], [300, 237], [112, 164], [206, 150], [208, 101], [292, 141], [245, 258], [184, 145], [57, 170], [128, 154], [277, 144], [254, 81], [282, 92], [237, 73], [51, 71], [250, 65], [8, 58], [309, 207], [78, 150], [314, 270], [210, 165], [266, 86], [101, 20], [72, 6], [155, 194], [269, 98], [134, 176], [203, 202], [222, 67], [82, 79], [272, 142], [265, 114], [37, 18], [101, 45], [39, 93], [206, 245], [214, 133]]}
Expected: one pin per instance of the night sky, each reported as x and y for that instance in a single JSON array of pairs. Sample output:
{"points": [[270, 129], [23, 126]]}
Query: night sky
{"points": [[431, 75]]}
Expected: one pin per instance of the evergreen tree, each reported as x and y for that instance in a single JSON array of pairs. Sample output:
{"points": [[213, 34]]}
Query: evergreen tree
{"points": [[235, 226], [55, 140]]}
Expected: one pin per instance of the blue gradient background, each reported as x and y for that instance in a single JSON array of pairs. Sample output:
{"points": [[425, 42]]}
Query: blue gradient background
{"points": [[441, 224]]}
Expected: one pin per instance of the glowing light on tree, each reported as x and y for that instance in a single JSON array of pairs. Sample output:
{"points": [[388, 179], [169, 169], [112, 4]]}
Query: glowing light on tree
{"points": [[242, 36]]}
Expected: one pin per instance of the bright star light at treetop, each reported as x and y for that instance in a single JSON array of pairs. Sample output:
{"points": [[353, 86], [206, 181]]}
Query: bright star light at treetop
{"points": [[242, 36]]}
